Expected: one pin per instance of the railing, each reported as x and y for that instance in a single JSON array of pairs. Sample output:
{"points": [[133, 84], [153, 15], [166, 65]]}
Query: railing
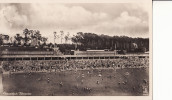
{"points": [[27, 53], [94, 53]]}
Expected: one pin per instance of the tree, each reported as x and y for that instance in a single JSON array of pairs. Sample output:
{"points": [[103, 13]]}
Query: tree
{"points": [[37, 36], [44, 39], [1, 39], [67, 38], [94, 41], [62, 33], [26, 33], [18, 39]]}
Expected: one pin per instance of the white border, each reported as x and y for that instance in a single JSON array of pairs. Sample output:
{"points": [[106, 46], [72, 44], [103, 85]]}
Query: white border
{"points": [[149, 2]]}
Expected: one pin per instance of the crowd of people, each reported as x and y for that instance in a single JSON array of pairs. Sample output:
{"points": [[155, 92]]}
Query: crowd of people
{"points": [[73, 64]]}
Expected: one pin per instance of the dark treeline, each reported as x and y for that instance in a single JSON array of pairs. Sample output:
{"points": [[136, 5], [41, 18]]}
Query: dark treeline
{"points": [[94, 41], [80, 41]]}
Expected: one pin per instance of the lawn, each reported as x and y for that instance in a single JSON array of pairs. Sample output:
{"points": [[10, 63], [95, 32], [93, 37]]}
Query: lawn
{"points": [[93, 82]]}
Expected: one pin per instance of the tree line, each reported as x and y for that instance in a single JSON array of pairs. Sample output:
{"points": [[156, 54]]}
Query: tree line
{"points": [[81, 41], [27, 38], [93, 41]]}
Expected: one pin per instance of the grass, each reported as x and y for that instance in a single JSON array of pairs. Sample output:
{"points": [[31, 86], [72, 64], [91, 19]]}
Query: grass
{"points": [[122, 82]]}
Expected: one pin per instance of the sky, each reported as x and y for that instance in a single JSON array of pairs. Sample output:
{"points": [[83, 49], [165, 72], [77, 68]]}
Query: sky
{"points": [[129, 19]]}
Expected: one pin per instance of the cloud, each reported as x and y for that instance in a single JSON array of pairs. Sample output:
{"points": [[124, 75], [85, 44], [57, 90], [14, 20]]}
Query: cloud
{"points": [[12, 16], [75, 17], [123, 25], [110, 19], [11, 19]]}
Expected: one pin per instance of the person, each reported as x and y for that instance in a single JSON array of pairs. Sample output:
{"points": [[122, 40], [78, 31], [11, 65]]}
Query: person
{"points": [[48, 80], [82, 81], [82, 75], [119, 83], [97, 81], [145, 81], [77, 86], [61, 84], [99, 75]]}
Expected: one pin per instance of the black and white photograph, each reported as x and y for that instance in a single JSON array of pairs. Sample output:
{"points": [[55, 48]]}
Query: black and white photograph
{"points": [[76, 49]]}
